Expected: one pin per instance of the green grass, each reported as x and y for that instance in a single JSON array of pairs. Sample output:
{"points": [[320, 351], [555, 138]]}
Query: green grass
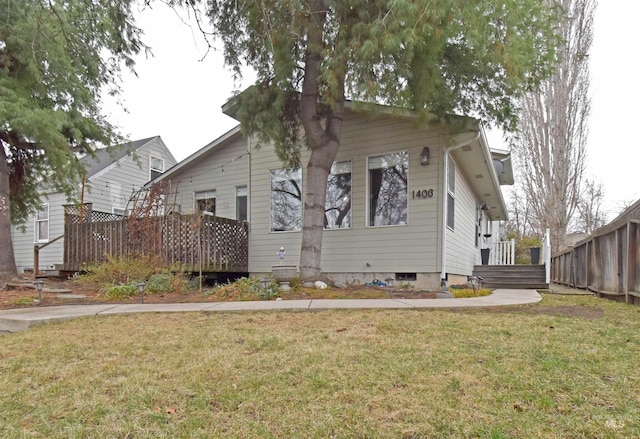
{"points": [[564, 368]]}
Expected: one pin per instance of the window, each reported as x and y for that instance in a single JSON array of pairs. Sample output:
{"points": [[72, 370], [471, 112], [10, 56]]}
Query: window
{"points": [[286, 200], [118, 211], [388, 189], [478, 223], [451, 193], [42, 224], [206, 202], [337, 211], [241, 203], [156, 166]]}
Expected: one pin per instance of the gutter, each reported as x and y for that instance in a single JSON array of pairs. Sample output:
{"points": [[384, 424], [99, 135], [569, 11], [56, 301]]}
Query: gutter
{"points": [[445, 197]]}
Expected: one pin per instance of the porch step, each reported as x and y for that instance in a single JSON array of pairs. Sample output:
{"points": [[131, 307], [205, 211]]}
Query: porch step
{"points": [[512, 276]]}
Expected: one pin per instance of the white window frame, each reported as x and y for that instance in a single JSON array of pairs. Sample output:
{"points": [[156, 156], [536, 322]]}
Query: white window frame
{"points": [[242, 191], [368, 189], [159, 170], [205, 195], [335, 170], [288, 174], [38, 221], [451, 193], [119, 211]]}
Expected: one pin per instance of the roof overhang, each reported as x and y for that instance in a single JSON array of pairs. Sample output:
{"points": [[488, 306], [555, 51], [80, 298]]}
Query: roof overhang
{"points": [[478, 164]]}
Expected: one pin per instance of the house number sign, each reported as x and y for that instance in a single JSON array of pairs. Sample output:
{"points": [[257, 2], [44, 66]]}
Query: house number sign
{"points": [[424, 193]]}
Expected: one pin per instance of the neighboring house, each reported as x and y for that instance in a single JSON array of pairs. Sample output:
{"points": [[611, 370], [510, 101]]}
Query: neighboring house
{"points": [[404, 202], [112, 177]]}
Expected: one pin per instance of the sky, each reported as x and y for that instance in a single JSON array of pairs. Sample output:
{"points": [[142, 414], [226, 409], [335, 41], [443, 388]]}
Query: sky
{"points": [[179, 91]]}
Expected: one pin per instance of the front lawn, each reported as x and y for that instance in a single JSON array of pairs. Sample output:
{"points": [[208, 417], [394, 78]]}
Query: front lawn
{"points": [[564, 368]]}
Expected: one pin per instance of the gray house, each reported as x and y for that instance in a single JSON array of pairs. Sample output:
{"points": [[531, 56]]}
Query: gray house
{"points": [[404, 202], [112, 177]]}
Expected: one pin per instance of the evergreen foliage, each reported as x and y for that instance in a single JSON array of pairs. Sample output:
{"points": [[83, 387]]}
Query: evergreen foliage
{"points": [[437, 58], [56, 58]]}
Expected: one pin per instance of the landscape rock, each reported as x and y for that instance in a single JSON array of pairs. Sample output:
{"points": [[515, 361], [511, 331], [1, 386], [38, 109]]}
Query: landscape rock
{"points": [[320, 285]]}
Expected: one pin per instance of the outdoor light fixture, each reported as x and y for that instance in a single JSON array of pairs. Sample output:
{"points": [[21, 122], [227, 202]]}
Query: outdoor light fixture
{"points": [[39, 284], [140, 286], [424, 156], [265, 281]]}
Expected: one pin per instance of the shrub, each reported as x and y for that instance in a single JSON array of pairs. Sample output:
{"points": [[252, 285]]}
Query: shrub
{"points": [[117, 275], [464, 291], [116, 292], [246, 288], [122, 270], [161, 283]]}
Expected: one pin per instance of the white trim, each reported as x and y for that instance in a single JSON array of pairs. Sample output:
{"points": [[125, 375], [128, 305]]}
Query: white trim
{"points": [[36, 228], [302, 182], [367, 216], [152, 169], [333, 166]]}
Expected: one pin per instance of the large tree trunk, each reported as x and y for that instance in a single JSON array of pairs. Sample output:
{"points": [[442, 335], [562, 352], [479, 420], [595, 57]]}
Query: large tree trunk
{"points": [[7, 260], [318, 170], [324, 142]]}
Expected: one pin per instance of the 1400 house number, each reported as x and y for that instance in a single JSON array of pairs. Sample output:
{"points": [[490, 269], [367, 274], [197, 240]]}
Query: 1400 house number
{"points": [[424, 193]]}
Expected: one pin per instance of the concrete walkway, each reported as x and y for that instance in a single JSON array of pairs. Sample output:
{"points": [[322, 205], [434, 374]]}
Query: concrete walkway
{"points": [[14, 320]]}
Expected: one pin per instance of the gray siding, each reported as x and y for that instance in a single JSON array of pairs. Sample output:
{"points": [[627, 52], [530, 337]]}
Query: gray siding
{"points": [[413, 247], [222, 169]]}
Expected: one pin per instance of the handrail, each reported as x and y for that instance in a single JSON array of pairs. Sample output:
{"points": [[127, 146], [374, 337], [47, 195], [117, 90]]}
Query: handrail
{"points": [[36, 253], [502, 252]]}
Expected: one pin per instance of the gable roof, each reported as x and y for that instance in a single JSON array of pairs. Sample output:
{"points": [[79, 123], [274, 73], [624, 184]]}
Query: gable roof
{"points": [[105, 157], [199, 154]]}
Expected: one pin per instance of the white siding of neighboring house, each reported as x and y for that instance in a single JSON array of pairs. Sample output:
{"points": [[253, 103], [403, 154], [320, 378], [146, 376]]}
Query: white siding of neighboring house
{"points": [[109, 188], [361, 253], [114, 185], [224, 169], [23, 242]]}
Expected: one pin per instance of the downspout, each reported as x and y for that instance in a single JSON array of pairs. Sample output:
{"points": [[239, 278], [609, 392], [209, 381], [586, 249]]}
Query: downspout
{"points": [[445, 196], [249, 203]]}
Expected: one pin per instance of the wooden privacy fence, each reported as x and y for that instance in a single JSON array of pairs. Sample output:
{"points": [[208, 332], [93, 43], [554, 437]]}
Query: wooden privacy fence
{"points": [[192, 242], [605, 263]]}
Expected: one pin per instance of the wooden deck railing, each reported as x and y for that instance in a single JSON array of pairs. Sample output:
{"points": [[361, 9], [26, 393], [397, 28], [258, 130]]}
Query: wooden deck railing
{"points": [[192, 242]]}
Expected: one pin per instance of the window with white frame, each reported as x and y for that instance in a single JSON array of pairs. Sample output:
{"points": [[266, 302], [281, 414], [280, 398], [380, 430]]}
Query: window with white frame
{"points": [[156, 166], [205, 202], [337, 210], [388, 189], [451, 193], [119, 211], [42, 224], [286, 200], [241, 203]]}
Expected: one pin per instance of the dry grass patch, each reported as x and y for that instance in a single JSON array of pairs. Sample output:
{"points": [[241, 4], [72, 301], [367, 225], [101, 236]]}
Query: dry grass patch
{"points": [[397, 373]]}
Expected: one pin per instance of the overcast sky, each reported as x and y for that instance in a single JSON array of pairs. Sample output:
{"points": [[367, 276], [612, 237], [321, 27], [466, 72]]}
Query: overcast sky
{"points": [[178, 94]]}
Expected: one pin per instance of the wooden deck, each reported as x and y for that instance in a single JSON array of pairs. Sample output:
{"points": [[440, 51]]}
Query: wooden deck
{"points": [[189, 242]]}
